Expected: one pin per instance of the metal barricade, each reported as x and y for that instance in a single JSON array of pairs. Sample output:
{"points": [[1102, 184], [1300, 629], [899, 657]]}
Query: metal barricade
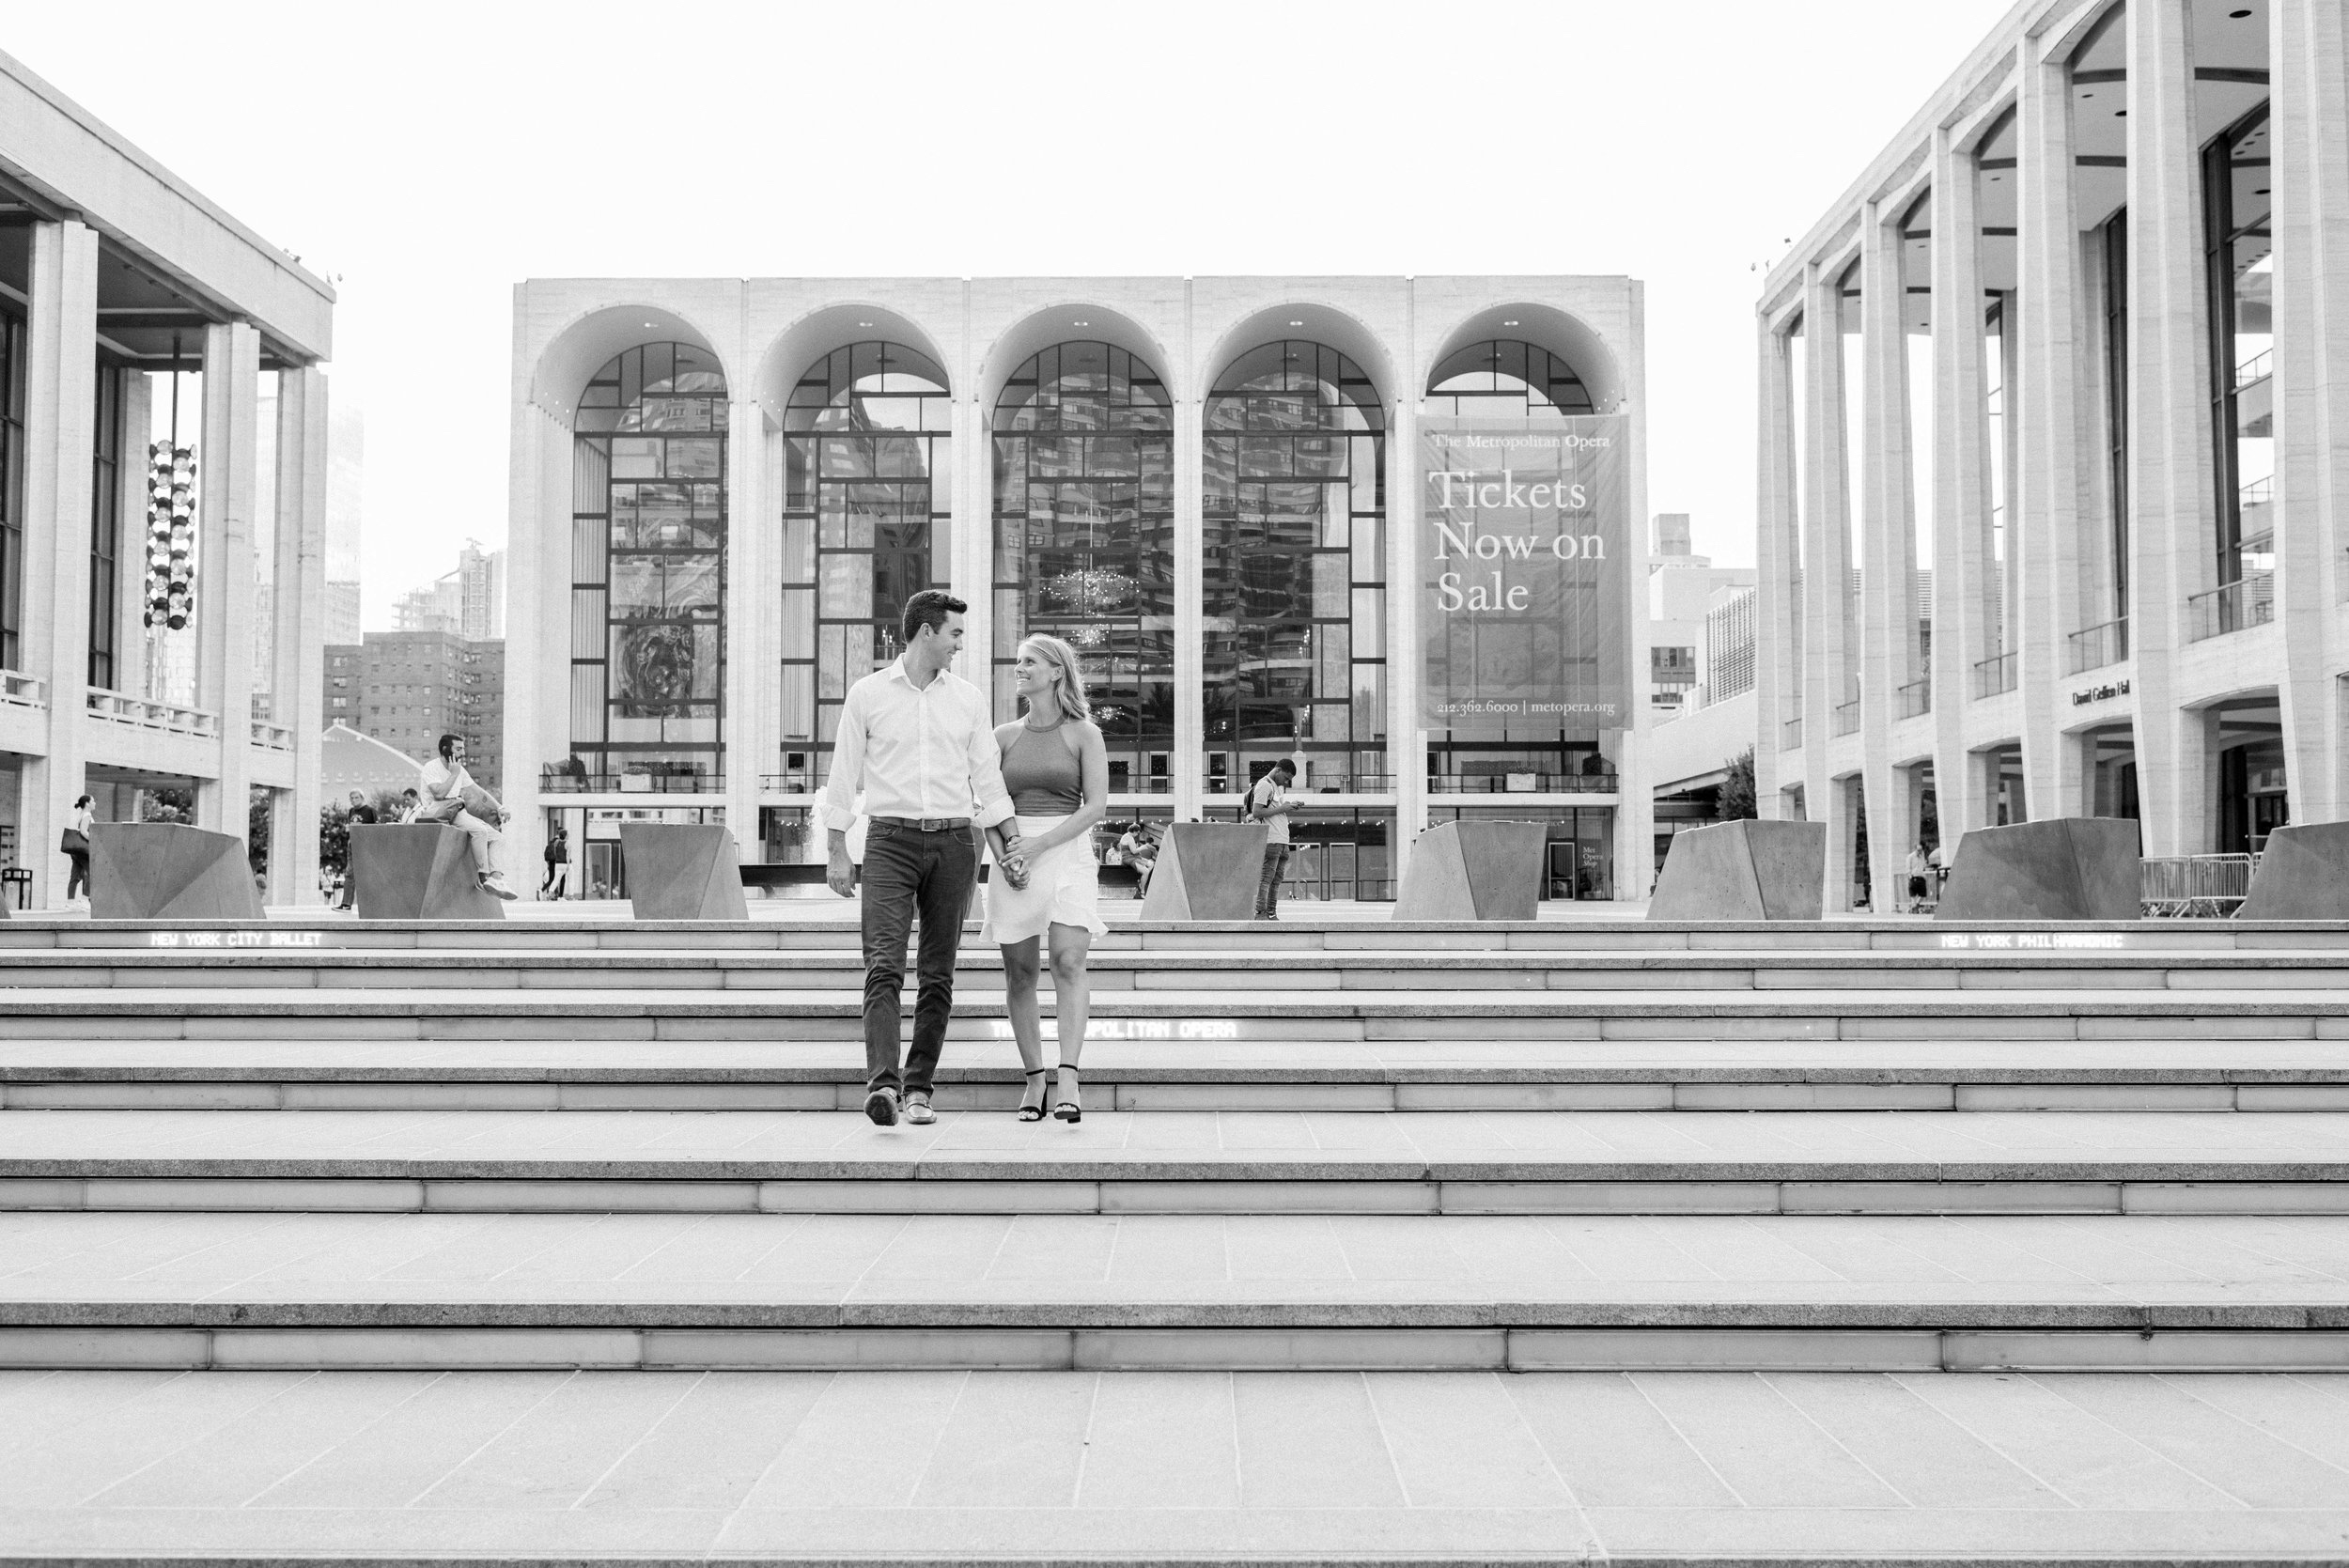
{"points": [[2196, 887]]}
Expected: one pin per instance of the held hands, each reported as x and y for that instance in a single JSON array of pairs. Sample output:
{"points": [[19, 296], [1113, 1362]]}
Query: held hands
{"points": [[1013, 858]]}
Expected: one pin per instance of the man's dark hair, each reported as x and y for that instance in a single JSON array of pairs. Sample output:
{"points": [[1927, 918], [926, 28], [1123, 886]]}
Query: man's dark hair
{"points": [[410, 794], [448, 740], [1286, 768], [930, 606]]}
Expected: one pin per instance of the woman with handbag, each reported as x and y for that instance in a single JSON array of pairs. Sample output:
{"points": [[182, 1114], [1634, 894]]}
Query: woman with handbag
{"points": [[74, 846]]}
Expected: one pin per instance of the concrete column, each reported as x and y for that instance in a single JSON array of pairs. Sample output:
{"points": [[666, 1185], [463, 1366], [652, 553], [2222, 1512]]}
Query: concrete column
{"points": [[2170, 436], [299, 607], [1826, 570], [753, 686], [971, 552], [131, 562], [1406, 667], [1188, 767], [227, 456], [1886, 510], [1965, 581], [60, 384], [537, 623], [1635, 807], [2310, 104], [2044, 499], [1778, 674]]}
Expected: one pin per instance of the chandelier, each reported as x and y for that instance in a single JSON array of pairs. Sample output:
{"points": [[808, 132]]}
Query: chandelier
{"points": [[170, 534], [1090, 590]]}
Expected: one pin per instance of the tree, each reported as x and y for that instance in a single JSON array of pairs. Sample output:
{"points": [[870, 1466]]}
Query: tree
{"points": [[1737, 792]]}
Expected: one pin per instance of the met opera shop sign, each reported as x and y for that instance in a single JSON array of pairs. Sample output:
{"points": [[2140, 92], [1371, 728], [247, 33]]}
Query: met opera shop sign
{"points": [[1522, 551]]}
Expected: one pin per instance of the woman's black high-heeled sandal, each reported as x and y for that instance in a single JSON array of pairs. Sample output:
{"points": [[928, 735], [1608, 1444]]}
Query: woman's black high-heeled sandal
{"points": [[1033, 1112], [1069, 1110]]}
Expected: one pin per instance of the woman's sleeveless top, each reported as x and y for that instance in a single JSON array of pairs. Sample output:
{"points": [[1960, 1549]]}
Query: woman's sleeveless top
{"points": [[1041, 774]]}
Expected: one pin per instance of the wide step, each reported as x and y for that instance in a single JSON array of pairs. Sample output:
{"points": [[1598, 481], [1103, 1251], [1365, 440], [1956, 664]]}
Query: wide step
{"points": [[1142, 1292]]}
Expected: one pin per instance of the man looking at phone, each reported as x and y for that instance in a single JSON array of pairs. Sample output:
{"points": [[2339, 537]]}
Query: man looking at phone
{"points": [[920, 742]]}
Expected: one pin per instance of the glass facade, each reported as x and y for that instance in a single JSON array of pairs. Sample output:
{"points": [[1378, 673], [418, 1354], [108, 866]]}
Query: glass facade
{"points": [[105, 534], [1293, 572], [1504, 379], [1578, 857], [867, 490], [648, 562], [2240, 256], [1085, 535]]}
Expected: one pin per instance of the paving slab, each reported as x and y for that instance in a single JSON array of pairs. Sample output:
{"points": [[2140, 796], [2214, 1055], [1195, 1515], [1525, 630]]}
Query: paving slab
{"points": [[874, 1466]]}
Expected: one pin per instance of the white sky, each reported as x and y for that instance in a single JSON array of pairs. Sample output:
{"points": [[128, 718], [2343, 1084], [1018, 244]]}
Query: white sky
{"points": [[427, 156]]}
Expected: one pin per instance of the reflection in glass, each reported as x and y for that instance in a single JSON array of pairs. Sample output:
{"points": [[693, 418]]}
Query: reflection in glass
{"points": [[2241, 247], [1293, 571], [866, 500], [1084, 529], [648, 558]]}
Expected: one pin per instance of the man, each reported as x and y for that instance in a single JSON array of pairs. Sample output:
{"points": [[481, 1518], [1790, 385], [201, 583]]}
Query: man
{"points": [[361, 814], [918, 741], [410, 804], [1268, 802], [1139, 849], [558, 865], [451, 796], [1917, 866]]}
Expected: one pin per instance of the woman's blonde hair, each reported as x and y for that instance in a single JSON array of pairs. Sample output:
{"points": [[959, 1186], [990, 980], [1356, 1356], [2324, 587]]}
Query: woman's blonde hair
{"points": [[1067, 680]]}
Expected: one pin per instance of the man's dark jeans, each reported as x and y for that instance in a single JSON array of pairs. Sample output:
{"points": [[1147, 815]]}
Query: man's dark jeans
{"points": [[907, 871], [1276, 859]]}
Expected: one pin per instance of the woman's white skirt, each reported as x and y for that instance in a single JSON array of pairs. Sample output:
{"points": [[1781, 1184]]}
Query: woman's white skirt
{"points": [[1063, 889]]}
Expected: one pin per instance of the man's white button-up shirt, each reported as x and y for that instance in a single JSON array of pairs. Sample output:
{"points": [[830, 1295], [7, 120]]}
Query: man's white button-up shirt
{"points": [[927, 751]]}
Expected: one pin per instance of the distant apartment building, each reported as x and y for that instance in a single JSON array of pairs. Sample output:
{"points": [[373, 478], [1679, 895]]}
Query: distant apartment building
{"points": [[468, 601], [342, 612], [408, 689], [1683, 589]]}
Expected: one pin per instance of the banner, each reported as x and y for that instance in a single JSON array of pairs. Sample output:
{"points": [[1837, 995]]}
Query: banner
{"points": [[1524, 547]]}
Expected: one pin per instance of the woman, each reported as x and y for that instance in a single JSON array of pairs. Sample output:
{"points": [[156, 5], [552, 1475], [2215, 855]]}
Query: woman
{"points": [[75, 843], [1057, 772]]}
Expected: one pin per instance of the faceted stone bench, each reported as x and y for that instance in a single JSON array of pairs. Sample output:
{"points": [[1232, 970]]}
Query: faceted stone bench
{"points": [[1474, 871], [169, 871], [421, 871], [2302, 875], [2066, 868], [682, 872], [1744, 870], [1206, 871]]}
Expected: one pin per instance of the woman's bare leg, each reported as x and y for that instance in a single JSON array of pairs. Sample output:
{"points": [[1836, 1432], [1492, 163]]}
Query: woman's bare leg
{"points": [[1073, 1000], [1019, 977]]}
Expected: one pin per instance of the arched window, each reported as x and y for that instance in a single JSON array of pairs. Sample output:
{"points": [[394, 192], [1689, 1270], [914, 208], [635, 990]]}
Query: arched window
{"points": [[1294, 569], [1084, 534], [866, 498], [648, 559], [1504, 378]]}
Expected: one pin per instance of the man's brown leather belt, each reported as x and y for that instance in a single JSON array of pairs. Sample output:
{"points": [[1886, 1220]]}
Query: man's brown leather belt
{"points": [[926, 824]]}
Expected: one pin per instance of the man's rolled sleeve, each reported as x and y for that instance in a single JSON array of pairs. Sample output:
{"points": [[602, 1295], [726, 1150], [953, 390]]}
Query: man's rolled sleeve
{"points": [[986, 768], [847, 765]]}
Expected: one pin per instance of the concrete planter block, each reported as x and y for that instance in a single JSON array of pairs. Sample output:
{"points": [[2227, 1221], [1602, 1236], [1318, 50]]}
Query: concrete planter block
{"points": [[1206, 871], [677, 872], [1474, 871], [2302, 875], [422, 870], [168, 871], [2069, 868], [1744, 870]]}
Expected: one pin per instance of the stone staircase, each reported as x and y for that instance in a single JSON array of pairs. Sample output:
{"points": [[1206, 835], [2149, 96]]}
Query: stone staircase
{"points": [[1575, 1151]]}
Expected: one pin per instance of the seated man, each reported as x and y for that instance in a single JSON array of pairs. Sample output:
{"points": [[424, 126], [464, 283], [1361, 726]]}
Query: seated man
{"points": [[451, 796]]}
